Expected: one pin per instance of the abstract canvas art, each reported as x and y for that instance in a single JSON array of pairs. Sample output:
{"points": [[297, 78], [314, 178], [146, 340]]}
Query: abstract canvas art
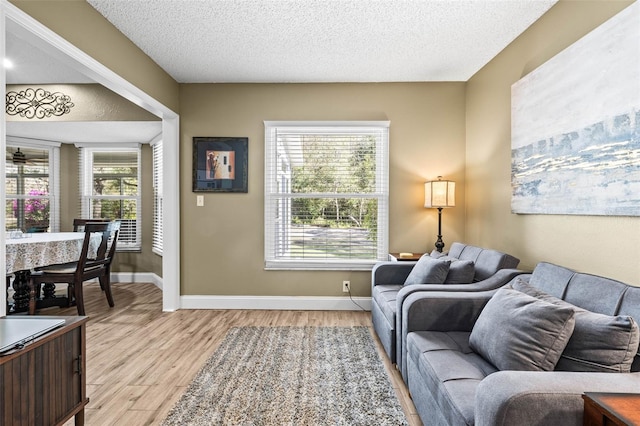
{"points": [[575, 135]]}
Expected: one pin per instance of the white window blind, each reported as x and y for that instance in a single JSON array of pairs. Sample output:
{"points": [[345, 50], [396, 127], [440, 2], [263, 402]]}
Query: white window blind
{"points": [[110, 189], [157, 197], [32, 182], [326, 194]]}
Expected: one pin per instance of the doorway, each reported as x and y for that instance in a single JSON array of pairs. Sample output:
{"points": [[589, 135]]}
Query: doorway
{"points": [[40, 37]]}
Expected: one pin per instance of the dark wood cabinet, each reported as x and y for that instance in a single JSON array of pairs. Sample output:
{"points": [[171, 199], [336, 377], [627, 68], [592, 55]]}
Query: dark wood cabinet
{"points": [[619, 409], [44, 383]]}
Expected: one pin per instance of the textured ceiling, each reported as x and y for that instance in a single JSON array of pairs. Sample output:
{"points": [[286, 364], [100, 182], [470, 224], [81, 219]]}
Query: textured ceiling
{"points": [[199, 41]]}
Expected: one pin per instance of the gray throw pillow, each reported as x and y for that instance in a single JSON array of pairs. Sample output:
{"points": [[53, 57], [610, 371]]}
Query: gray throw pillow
{"points": [[516, 331], [600, 343], [428, 271], [460, 271]]}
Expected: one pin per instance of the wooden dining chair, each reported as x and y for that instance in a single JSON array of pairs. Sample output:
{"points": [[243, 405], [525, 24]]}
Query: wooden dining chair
{"points": [[78, 224], [86, 268]]}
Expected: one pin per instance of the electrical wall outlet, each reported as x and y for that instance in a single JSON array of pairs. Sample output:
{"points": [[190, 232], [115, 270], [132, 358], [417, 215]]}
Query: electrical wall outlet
{"points": [[346, 286]]}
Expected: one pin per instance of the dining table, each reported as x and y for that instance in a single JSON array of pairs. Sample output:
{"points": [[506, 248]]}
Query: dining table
{"points": [[25, 252]]}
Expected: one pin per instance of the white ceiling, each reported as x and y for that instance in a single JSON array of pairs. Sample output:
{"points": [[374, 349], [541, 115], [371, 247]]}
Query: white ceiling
{"points": [[33, 65], [283, 41], [215, 41], [86, 131]]}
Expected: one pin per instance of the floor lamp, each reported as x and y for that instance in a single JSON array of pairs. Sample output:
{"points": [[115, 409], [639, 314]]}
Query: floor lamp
{"points": [[439, 194]]}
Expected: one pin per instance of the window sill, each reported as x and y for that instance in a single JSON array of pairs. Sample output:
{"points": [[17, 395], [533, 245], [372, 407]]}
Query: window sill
{"points": [[272, 265], [129, 250]]}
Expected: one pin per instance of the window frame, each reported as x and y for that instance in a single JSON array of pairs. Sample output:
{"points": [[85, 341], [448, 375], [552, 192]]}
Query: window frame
{"points": [[157, 153], [271, 211], [86, 152], [54, 175]]}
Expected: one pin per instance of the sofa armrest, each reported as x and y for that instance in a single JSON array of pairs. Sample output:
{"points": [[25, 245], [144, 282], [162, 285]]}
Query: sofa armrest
{"points": [[543, 397], [439, 311], [500, 278], [443, 310], [390, 272]]}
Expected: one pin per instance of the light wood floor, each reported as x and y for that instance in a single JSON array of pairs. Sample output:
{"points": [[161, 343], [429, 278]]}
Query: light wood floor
{"points": [[140, 359]]}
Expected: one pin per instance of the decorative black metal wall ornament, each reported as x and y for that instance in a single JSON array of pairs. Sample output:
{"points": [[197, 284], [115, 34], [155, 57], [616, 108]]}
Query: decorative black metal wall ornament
{"points": [[38, 103]]}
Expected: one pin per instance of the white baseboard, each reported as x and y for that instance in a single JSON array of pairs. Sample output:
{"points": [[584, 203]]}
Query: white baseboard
{"points": [[285, 303], [137, 277]]}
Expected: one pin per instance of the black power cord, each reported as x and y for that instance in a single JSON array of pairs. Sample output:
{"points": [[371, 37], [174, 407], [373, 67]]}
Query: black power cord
{"points": [[353, 301]]}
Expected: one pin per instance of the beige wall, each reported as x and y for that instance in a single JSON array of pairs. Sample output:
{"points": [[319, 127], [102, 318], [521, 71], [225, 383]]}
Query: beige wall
{"points": [[607, 246], [223, 242], [91, 102]]}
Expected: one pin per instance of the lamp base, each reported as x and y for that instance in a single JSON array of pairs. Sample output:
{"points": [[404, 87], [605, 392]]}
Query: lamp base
{"points": [[439, 242]]}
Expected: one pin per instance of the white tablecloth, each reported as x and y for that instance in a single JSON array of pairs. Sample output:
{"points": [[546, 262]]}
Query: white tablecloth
{"points": [[47, 248]]}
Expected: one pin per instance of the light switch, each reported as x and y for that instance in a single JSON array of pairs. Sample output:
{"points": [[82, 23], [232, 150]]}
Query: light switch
{"points": [[200, 200]]}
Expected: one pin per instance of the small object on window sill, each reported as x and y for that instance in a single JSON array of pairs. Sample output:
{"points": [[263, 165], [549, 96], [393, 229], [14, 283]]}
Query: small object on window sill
{"points": [[406, 254]]}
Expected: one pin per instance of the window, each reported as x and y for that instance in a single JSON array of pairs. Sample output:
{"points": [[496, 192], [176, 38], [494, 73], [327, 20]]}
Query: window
{"points": [[32, 186], [156, 245], [110, 188], [326, 194]]}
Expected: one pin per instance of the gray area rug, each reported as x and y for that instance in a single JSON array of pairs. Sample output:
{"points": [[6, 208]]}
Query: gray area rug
{"points": [[291, 376]]}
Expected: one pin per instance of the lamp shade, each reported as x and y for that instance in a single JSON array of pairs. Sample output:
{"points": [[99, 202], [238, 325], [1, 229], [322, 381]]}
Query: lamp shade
{"points": [[439, 193]]}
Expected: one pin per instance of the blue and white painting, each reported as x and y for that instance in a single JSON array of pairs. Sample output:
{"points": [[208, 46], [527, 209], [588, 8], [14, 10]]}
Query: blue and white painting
{"points": [[575, 126]]}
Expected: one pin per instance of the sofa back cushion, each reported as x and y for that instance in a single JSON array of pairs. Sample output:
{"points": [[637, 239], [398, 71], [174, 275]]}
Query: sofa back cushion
{"points": [[516, 331], [551, 279], [599, 342], [486, 261], [591, 292], [597, 294]]}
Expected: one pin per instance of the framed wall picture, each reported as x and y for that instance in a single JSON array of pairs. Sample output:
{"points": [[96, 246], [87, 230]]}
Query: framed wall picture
{"points": [[220, 164]]}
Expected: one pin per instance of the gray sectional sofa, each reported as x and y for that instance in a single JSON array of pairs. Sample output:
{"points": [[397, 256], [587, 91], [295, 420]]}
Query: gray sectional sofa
{"points": [[523, 354], [490, 269]]}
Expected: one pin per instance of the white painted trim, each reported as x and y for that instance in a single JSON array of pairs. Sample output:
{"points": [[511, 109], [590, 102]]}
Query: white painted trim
{"points": [[109, 146], [134, 278], [383, 124], [296, 303], [171, 213], [31, 143], [47, 40], [137, 277], [156, 139], [3, 148]]}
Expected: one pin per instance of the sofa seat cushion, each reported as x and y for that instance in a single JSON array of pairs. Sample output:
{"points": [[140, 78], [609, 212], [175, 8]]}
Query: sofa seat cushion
{"points": [[385, 296], [450, 369], [516, 331]]}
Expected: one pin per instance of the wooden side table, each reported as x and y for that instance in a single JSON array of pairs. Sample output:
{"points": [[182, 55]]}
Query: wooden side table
{"points": [[397, 258], [619, 409]]}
